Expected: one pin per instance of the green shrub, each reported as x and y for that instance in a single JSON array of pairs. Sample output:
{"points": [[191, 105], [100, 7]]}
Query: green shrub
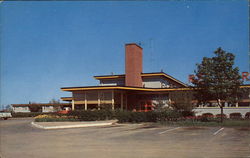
{"points": [[208, 115], [92, 115], [219, 116], [247, 115], [235, 115], [121, 116], [187, 113], [55, 119], [126, 116], [28, 114], [151, 116]]}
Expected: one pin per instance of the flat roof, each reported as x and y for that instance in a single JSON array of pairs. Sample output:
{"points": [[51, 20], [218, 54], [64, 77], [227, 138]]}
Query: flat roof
{"points": [[131, 88], [40, 104], [121, 88]]}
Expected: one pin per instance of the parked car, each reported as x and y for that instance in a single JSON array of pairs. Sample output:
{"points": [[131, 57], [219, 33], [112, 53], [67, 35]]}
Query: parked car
{"points": [[5, 115]]}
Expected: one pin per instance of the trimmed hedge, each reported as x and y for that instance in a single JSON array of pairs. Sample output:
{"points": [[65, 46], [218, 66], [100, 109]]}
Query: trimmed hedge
{"points": [[126, 116], [219, 116], [235, 115], [92, 115], [28, 114], [208, 115], [55, 119]]}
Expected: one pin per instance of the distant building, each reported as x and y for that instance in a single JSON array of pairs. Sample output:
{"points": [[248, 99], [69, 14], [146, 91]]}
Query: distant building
{"points": [[40, 107], [138, 91]]}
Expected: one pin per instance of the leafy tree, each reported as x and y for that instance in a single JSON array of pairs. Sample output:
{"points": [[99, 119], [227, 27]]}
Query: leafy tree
{"points": [[218, 79], [8, 108], [181, 100], [34, 107], [54, 101]]}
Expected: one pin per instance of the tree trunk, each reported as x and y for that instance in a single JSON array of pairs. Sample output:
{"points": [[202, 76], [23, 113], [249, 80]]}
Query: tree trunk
{"points": [[221, 110]]}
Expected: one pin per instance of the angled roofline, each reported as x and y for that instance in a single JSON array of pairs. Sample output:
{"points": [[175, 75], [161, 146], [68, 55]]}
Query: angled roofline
{"points": [[143, 75], [122, 88], [165, 75]]}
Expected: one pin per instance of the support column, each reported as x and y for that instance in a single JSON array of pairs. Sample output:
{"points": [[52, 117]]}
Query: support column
{"points": [[85, 102], [126, 101], [113, 101], [121, 100], [237, 104], [99, 101], [73, 104], [226, 104]]}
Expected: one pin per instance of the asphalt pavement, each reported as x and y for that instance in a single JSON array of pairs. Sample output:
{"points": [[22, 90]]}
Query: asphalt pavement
{"points": [[20, 139]]}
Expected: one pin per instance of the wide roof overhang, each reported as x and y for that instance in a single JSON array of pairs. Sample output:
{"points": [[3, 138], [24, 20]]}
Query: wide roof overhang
{"points": [[70, 89], [121, 88], [155, 74]]}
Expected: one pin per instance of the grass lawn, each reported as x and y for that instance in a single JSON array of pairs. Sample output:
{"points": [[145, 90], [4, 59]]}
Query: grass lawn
{"points": [[226, 123]]}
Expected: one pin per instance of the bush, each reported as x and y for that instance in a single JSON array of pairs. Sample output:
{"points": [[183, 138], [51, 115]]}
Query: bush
{"points": [[135, 117], [247, 115], [28, 114], [122, 116], [54, 118], [235, 115], [151, 116], [208, 115], [126, 116], [219, 115], [92, 115], [187, 113]]}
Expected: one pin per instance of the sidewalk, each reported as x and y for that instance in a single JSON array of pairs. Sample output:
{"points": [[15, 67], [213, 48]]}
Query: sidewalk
{"points": [[62, 125]]}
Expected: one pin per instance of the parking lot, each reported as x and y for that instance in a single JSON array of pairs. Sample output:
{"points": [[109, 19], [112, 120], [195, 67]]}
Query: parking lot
{"points": [[20, 139]]}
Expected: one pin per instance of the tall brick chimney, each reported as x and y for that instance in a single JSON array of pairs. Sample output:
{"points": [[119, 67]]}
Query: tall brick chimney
{"points": [[133, 65]]}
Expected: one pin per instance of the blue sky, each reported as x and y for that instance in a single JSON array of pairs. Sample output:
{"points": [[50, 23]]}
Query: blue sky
{"points": [[48, 45]]}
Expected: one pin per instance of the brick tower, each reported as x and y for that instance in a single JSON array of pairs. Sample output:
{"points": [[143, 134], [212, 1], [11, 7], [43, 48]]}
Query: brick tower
{"points": [[133, 65]]}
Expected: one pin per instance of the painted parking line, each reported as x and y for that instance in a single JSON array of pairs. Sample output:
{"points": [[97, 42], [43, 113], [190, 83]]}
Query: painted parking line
{"points": [[169, 130], [217, 131]]}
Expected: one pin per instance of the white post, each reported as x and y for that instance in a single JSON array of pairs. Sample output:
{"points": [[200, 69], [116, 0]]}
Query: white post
{"points": [[237, 104], [126, 99], [73, 104], [113, 101], [99, 101], [85, 101]]}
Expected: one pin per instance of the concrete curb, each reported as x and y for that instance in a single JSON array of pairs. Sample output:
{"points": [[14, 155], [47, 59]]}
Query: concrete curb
{"points": [[72, 126]]}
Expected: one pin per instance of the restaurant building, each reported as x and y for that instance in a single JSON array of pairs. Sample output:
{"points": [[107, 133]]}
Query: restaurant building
{"points": [[139, 91]]}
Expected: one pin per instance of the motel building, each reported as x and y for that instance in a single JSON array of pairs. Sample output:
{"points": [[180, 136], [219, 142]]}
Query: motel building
{"points": [[139, 91]]}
